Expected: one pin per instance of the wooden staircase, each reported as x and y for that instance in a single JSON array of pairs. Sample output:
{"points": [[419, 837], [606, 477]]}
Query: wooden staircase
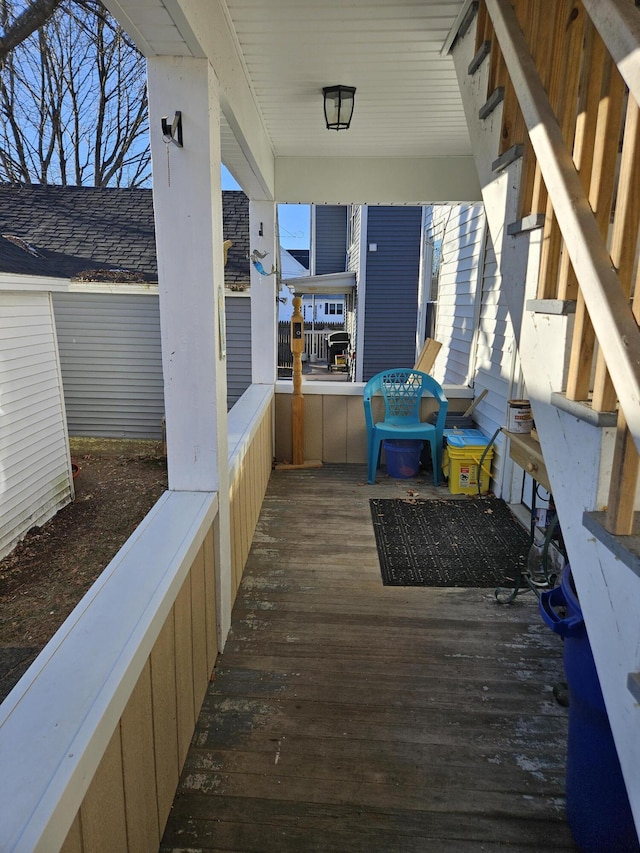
{"points": [[551, 94]]}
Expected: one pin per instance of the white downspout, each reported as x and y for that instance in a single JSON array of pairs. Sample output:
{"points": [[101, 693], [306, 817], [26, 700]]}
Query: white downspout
{"points": [[424, 282], [361, 293]]}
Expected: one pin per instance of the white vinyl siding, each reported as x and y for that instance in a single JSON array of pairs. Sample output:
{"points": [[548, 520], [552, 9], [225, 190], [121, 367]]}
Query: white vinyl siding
{"points": [[472, 320], [354, 301], [35, 477], [456, 235], [111, 363], [495, 356]]}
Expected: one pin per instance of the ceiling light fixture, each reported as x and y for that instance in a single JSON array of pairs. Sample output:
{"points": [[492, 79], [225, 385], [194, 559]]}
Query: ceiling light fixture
{"points": [[338, 106]]}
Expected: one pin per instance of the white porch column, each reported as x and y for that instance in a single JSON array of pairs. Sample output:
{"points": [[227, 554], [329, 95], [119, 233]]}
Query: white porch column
{"points": [[361, 292], [188, 216], [264, 312]]}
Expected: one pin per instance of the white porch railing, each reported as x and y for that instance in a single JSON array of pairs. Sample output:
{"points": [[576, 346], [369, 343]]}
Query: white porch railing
{"points": [[315, 344], [94, 735]]}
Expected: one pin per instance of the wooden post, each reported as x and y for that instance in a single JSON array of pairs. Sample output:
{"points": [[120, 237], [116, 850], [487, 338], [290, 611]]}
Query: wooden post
{"points": [[297, 401]]}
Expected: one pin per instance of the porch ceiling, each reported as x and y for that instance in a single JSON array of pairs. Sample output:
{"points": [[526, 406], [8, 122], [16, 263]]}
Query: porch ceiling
{"points": [[273, 57]]}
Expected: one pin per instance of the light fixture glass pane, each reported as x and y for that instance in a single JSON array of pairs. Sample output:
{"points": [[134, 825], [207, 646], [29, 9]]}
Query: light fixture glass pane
{"points": [[338, 106], [332, 107]]}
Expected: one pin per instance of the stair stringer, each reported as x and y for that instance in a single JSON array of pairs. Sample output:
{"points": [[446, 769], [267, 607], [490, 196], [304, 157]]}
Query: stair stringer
{"points": [[577, 454]]}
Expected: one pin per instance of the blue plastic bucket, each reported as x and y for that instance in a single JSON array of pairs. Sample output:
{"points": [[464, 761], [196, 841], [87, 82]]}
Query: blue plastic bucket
{"points": [[403, 457], [598, 811]]}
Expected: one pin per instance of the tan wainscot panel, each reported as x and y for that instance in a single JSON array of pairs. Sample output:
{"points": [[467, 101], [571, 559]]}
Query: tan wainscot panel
{"points": [[73, 841], [260, 449], [266, 453], [210, 593], [184, 669], [253, 495], [239, 522], [165, 713], [313, 407], [236, 537], [199, 631], [254, 476], [283, 427], [334, 426], [244, 521], [356, 431], [129, 799], [141, 802], [102, 814]]}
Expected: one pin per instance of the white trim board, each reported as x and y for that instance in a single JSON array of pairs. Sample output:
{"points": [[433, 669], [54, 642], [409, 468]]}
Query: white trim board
{"points": [[57, 721]]}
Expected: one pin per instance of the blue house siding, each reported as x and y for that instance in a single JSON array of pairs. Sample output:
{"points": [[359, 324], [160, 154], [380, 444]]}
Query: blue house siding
{"points": [[330, 239], [392, 288], [238, 326]]}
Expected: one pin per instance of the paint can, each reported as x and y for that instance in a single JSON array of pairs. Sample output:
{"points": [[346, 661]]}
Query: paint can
{"points": [[519, 416]]}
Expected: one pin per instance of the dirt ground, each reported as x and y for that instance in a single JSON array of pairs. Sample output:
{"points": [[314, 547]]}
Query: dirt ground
{"points": [[47, 573]]}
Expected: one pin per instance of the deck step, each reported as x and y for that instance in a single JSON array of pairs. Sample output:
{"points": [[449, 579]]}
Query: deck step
{"points": [[494, 100], [625, 548], [483, 51], [583, 411]]}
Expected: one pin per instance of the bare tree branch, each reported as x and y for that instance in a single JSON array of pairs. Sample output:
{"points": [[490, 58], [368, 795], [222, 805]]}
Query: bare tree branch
{"points": [[31, 19], [73, 102]]}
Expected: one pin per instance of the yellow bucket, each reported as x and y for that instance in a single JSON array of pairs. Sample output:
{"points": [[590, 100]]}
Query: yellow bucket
{"points": [[461, 466]]}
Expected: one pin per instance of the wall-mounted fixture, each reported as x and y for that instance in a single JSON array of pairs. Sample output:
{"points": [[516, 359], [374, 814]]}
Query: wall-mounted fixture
{"points": [[256, 259], [338, 106], [172, 132]]}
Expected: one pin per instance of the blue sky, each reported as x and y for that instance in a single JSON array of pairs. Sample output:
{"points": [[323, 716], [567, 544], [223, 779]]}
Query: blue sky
{"points": [[294, 219]]}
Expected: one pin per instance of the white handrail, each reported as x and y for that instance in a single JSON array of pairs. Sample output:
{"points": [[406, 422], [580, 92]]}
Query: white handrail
{"points": [[618, 23], [57, 721], [610, 313]]}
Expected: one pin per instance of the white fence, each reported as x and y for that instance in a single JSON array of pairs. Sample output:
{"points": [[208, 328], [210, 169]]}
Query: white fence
{"points": [[315, 344]]}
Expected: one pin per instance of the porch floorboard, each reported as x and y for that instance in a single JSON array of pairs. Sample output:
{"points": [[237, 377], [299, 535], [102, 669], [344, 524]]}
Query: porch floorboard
{"points": [[348, 716]]}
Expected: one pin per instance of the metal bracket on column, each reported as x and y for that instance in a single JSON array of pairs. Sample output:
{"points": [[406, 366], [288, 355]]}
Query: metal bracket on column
{"points": [[172, 132]]}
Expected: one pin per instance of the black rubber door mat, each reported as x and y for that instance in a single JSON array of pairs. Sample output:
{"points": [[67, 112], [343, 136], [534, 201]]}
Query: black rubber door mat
{"points": [[447, 543]]}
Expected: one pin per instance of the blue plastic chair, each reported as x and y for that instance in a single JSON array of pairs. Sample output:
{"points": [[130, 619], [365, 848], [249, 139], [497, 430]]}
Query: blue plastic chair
{"points": [[402, 389]]}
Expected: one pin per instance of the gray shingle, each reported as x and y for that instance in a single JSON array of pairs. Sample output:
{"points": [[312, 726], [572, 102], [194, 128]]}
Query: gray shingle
{"points": [[78, 229]]}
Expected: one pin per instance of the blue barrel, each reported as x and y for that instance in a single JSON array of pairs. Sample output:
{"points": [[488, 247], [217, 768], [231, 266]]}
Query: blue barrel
{"points": [[403, 457], [598, 811]]}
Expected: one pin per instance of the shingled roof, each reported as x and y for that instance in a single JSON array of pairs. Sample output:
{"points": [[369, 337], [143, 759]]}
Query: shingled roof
{"points": [[99, 234]]}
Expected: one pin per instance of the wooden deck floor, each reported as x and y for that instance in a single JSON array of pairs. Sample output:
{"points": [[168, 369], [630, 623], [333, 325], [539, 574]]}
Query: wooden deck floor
{"points": [[347, 716]]}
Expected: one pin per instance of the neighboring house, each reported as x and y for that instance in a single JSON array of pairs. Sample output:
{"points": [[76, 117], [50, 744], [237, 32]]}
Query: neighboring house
{"points": [[432, 271], [292, 265], [323, 309], [329, 238], [472, 322], [301, 256], [316, 308], [380, 249], [426, 271], [35, 468], [384, 250], [99, 246], [381, 246]]}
